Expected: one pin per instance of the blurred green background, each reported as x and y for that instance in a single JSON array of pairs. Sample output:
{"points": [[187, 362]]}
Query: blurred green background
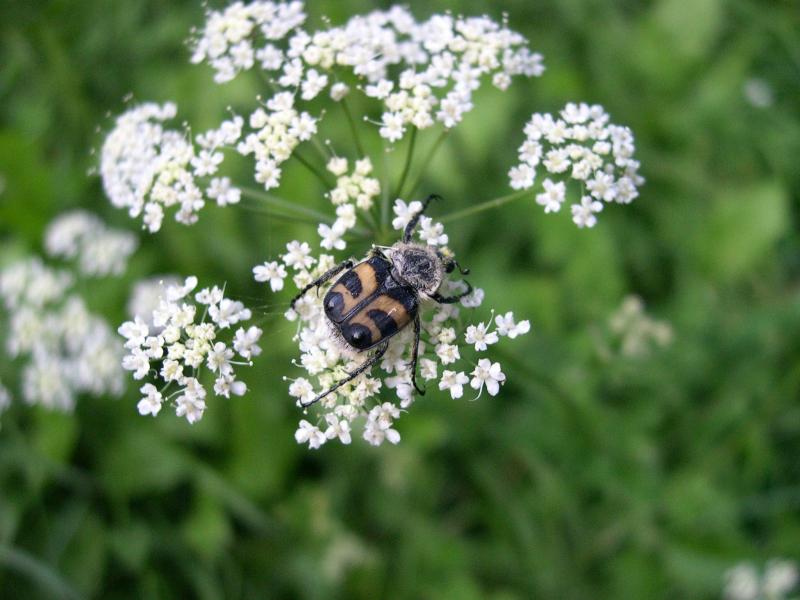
{"points": [[592, 475]]}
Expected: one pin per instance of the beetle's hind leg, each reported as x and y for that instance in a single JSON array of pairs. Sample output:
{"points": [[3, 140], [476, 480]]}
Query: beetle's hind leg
{"points": [[347, 264], [451, 299], [412, 224], [415, 354], [381, 350]]}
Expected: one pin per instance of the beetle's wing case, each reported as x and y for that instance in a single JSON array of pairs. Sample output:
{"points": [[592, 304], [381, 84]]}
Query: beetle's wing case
{"points": [[380, 318], [355, 286]]}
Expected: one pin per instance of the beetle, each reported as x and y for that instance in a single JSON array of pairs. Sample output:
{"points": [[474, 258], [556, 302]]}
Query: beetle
{"points": [[376, 298]]}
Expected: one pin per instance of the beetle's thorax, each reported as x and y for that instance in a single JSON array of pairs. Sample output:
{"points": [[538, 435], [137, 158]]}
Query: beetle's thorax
{"points": [[416, 265]]}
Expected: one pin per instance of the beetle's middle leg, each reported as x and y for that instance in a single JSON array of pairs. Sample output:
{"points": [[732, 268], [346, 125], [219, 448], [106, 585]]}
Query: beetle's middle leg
{"points": [[381, 350]]}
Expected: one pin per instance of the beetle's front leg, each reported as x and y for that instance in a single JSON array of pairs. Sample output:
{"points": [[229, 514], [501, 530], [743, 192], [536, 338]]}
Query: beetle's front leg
{"points": [[451, 299], [327, 275]]}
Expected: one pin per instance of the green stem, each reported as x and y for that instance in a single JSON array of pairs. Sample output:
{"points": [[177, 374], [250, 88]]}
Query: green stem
{"points": [[323, 152], [314, 170], [281, 216], [301, 213], [370, 219], [489, 204], [409, 155], [293, 207], [47, 578], [427, 161], [384, 208], [353, 128]]}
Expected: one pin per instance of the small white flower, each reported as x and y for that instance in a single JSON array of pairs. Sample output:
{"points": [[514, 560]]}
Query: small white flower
{"points": [[507, 327], [297, 255], [308, 433], [428, 369], [583, 214], [135, 332], [339, 91], [337, 428], [447, 353], [454, 382], [219, 359], [337, 166], [392, 128], [404, 212], [206, 163], [522, 176], [432, 233], [138, 362], [331, 237], [245, 342], [273, 272], [553, 195], [474, 299], [489, 374], [191, 407], [221, 190], [480, 336], [151, 403], [375, 435]]}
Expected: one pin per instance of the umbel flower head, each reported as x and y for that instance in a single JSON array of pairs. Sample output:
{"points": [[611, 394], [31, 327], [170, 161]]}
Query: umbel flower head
{"points": [[744, 582], [578, 148], [97, 249], [66, 350], [148, 168], [183, 335], [448, 343], [422, 72]]}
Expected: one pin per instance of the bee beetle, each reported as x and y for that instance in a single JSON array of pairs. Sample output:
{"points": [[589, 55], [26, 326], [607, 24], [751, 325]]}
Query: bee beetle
{"points": [[379, 296]]}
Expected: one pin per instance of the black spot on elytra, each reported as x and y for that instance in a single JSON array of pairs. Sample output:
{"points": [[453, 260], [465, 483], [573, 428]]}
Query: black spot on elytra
{"points": [[381, 266], [352, 282], [357, 335], [406, 297], [383, 322], [334, 305]]}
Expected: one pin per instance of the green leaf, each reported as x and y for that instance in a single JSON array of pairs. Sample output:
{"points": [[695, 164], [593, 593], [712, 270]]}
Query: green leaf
{"points": [[744, 225], [142, 461], [691, 27]]}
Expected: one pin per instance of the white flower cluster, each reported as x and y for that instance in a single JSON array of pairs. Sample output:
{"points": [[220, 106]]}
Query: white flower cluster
{"points": [[68, 350], [422, 72], [225, 42], [277, 130], [174, 343], [635, 331], [148, 168], [98, 249], [146, 297], [578, 144], [354, 191], [743, 582], [326, 361]]}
